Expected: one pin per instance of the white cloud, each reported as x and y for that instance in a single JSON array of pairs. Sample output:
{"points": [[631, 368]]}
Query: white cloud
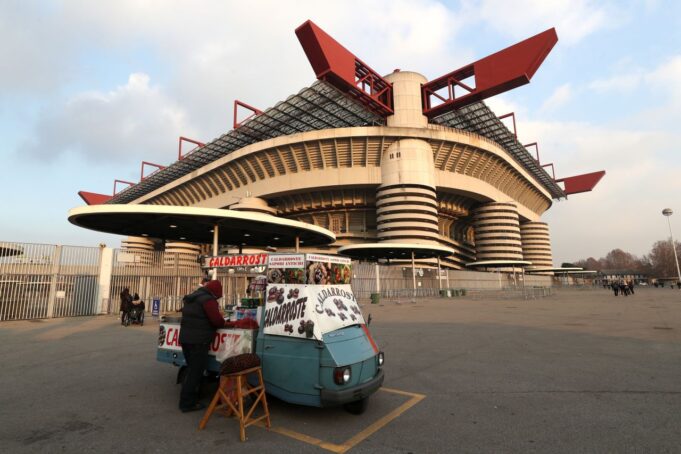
{"points": [[558, 98], [573, 19], [134, 120], [666, 77], [621, 212]]}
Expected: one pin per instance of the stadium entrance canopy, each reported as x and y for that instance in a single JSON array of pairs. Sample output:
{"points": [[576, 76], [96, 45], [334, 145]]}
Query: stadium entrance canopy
{"points": [[200, 225]]}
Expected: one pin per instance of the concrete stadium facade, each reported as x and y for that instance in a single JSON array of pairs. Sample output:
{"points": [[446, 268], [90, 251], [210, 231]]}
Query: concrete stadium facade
{"points": [[406, 181], [378, 168]]}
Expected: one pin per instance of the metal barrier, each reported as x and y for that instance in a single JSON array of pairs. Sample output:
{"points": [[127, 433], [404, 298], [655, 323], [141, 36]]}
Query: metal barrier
{"points": [[510, 293], [45, 281], [167, 277]]}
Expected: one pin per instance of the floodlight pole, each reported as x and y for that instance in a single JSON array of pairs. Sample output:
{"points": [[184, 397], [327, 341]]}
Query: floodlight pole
{"points": [[668, 212], [215, 250]]}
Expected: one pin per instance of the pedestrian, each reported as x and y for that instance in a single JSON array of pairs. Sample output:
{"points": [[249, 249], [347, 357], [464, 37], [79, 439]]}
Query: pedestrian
{"points": [[200, 319], [615, 288], [630, 284], [678, 285], [623, 288], [126, 301]]}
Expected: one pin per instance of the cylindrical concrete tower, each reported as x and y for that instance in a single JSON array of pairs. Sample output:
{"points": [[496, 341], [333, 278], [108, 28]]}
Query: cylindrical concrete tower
{"points": [[497, 232], [141, 248], [254, 204], [406, 202], [186, 254], [536, 244]]}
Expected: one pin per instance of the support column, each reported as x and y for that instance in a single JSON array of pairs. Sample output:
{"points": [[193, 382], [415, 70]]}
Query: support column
{"points": [[105, 272], [56, 260]]}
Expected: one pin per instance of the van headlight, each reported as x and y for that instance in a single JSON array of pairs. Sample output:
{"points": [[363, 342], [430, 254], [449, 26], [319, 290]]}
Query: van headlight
{"points": [[381, 359], [342, 375]]}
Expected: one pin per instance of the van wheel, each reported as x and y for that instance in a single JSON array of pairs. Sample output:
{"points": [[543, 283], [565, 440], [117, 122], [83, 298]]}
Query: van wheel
{"points": [[357, 407]]}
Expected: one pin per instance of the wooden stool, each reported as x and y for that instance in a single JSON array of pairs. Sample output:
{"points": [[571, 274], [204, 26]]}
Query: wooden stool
{"points": [[229, 399]]}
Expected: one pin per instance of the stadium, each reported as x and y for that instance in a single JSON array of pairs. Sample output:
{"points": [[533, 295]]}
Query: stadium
{"points": [[392, 164]]}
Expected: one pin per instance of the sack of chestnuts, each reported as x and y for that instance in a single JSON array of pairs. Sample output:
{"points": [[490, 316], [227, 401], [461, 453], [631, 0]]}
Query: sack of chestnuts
{"points": [[238, 363]]}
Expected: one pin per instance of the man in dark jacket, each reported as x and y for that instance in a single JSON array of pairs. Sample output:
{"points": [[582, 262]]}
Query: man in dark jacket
{"points": [[200, 319]]}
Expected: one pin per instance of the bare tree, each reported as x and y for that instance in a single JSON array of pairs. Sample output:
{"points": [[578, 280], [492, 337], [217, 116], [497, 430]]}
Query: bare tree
{"points": [[661, 258]]}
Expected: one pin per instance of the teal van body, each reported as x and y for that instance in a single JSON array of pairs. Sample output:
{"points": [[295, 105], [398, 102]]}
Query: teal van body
{"points": [[301, 371]]}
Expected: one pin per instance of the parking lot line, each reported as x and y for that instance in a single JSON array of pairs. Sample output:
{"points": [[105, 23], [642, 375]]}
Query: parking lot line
{"points": [[363, 434]]}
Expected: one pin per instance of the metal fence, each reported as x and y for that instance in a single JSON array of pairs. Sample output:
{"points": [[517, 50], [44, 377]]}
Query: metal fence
{"points": [[166, 277], [45, 281]]}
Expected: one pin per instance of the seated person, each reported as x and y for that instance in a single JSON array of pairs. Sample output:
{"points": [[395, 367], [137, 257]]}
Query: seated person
{"points": [[137, 304]]}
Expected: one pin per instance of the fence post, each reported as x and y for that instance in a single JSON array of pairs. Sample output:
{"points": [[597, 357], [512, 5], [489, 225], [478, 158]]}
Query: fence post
{"points": [[56, 260], [378, 279], [105, 272]]}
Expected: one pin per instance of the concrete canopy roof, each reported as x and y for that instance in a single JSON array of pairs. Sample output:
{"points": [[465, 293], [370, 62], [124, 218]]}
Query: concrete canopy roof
{"points": [[195, 225], [547, 269], [400, 251], [500, 263]]}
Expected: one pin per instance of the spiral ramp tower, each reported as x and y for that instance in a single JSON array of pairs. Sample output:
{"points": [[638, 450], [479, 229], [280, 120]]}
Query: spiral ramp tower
{"points": [[497, 232], [139, 249], [537, 245]]}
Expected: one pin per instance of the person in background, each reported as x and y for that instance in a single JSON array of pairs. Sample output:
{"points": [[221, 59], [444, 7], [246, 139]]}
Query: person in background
{"points": [[126, 300], [630, 284], [615, 287], [200, 319], [137, 303]]}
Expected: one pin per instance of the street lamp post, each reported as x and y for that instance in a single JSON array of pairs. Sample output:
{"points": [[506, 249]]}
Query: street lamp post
{"points": [[668, 212]]}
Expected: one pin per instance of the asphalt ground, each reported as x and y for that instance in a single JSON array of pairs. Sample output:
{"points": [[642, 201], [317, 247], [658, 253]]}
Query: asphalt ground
{"points": [[580, 371]]}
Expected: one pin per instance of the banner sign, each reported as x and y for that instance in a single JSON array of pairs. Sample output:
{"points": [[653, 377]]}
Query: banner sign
{"points": [[328, 259], [328, 269], [155, 307], [286, 261], [235, 260], [309, 311], [169, 337], [286, 269]]}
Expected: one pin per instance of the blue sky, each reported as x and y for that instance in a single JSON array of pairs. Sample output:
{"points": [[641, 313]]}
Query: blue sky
{"points": [[91, 89]]}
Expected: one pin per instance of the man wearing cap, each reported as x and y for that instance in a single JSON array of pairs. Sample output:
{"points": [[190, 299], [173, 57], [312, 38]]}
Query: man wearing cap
{"points": [[200, 319]]}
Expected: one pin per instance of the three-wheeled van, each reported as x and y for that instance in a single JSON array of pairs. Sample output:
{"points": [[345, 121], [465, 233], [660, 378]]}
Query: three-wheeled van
{"points": [[314, 345]]}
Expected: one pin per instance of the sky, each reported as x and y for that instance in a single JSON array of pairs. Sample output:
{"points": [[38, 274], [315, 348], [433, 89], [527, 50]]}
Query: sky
{"points": [[89, 90]]}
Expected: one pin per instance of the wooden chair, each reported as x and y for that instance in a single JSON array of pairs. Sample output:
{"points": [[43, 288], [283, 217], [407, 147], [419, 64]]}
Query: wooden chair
{"points": [[229, 399]]}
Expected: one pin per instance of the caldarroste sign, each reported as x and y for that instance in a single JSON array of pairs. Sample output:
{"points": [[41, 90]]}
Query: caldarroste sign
{"points": [[235, 260], [309, 311]]}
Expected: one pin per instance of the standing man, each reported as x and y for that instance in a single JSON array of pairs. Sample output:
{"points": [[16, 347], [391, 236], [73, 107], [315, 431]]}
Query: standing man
{"points": [[200, 319], [126, 301]]}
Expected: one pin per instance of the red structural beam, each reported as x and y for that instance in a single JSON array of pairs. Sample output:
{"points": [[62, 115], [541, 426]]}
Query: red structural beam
{"points": [[512, 115], [253, 110], [502, 71], [92, 198], [129, 183], [185, 139], [536, 147], [146, 163], [338, 66], [581, 183]]}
